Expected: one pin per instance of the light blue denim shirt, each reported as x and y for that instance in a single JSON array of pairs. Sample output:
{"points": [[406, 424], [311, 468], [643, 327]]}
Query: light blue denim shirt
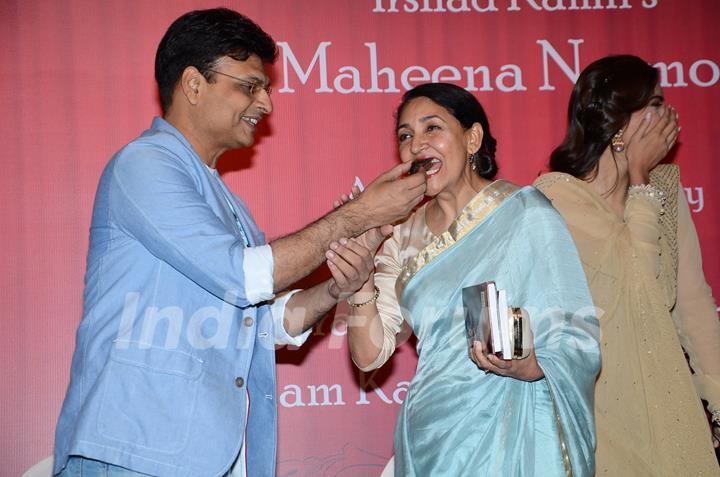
{"points": [[178, 328]]}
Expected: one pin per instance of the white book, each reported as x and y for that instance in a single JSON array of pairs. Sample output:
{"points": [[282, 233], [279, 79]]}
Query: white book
{"points": [[504, 324], [494, 318]]}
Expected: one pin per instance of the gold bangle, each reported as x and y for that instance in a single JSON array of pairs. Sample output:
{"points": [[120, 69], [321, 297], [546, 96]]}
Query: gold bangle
{"points": [[371, 300]]}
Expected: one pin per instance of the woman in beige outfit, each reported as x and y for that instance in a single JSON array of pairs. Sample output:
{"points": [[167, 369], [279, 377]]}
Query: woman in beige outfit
{"points": [[631, 223]]}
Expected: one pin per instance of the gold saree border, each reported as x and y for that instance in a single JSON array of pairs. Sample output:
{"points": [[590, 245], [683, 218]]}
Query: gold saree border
{"points": [[475, 211], [567, 464]]}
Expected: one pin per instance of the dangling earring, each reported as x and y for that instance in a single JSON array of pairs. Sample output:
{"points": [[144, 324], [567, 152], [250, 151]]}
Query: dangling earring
{"points": [[472, 158], [618, 145]]}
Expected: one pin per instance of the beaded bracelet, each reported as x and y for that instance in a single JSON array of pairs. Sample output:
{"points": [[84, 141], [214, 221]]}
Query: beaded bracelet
{"points": [[651, 192], [371, 300], [646, 190]]}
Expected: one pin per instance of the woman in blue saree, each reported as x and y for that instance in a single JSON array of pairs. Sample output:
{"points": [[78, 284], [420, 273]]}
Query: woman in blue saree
{"points": [[530, 416]]}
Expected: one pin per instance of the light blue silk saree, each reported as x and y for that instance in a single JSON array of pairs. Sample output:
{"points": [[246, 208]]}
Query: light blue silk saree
{"points": [[458, 421]]}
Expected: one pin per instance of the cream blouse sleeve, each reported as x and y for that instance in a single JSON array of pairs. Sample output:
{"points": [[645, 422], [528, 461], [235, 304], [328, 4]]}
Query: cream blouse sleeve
{"points": [[387, 270], [407, 240], [695, 313]]}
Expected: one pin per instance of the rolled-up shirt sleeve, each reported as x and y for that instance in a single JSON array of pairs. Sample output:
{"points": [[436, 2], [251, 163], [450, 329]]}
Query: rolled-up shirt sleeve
{"points": [[277, 308], [157, 202], [258, 270]]}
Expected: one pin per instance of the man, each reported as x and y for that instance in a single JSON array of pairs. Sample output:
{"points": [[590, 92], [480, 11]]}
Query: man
{"points": [[173, 371]]}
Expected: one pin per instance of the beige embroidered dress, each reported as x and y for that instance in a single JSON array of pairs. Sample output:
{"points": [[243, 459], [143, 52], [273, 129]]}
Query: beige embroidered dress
{"points": [[645, 274]]}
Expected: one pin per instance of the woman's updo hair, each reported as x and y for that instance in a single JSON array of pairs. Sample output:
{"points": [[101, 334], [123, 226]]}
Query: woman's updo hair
{"points": [[607, 92], [467, 110]]}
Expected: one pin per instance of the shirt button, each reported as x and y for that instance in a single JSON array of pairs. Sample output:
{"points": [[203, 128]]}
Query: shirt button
{"points": [[248, 321], [239, 382]]}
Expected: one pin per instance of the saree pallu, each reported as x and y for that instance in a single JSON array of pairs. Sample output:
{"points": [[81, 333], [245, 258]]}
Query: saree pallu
{"points": [[458, 421]]}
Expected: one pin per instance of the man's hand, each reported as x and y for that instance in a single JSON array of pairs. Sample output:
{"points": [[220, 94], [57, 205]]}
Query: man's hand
{"points": [[371, 239], [390, 197]]}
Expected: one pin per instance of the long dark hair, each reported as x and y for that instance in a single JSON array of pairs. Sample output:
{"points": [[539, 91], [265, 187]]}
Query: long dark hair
{"points": [[607, 92], [467, 110]]}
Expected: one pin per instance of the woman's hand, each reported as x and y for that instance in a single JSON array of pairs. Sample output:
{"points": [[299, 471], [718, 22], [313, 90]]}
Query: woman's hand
{"points": [[650, 143], [526, 369], [344, 198], [351, 261], [350, 264]]}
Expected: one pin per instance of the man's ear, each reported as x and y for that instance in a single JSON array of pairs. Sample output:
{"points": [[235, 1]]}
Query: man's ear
{"points": [[191, 84], [474, 137]]}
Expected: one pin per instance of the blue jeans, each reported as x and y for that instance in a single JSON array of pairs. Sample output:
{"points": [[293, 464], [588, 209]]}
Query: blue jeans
{"points": [[81, 467]]}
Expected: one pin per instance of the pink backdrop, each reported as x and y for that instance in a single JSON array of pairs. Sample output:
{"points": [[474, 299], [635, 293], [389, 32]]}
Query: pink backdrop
{"points": [[76, 82]]}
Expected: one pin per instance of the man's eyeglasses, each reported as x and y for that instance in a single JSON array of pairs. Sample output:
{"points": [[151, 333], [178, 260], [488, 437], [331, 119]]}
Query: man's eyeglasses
{"points": [[253, 87]]}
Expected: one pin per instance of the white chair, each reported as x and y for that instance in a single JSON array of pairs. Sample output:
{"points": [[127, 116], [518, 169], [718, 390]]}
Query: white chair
{"points": [[41, 469], [389, 470]]}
